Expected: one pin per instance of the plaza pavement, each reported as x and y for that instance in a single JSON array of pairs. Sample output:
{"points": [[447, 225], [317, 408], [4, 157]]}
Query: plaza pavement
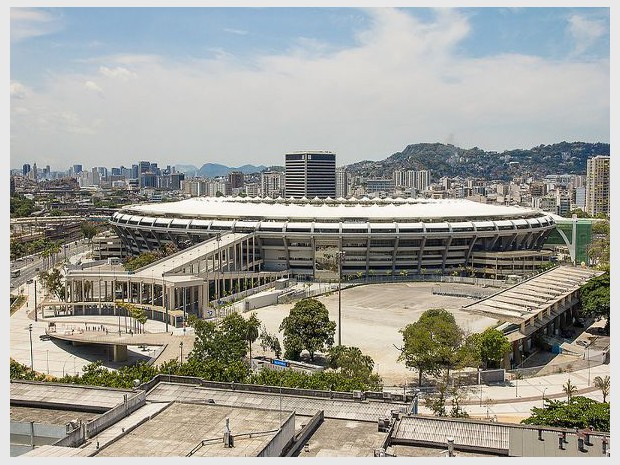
{"points": [[510, 401]]}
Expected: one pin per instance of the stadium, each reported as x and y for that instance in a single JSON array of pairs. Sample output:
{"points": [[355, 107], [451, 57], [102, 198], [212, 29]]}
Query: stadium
{"points": [[310, 238]]}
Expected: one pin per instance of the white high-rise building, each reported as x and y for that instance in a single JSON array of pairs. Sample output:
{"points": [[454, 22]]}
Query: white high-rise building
{"points": [[342, 182], [597, 185], [411, 178], [272, 184]]}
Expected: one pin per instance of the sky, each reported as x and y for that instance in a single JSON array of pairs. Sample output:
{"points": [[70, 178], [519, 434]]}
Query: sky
{"points": [[112, 86]]}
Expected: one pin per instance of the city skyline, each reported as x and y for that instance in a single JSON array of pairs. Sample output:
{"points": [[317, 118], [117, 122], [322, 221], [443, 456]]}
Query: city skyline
{"points": [[101, 86]]}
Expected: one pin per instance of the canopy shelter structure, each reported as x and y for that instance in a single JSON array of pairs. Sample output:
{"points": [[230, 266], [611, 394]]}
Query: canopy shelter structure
{"points": [[543, 305]]}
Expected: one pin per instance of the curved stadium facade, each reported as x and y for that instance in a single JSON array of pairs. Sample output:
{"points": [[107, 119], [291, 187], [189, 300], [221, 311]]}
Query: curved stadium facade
{"points": [[377, 236]]}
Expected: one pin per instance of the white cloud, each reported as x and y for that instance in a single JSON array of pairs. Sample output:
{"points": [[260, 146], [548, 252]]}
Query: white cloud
{"points": [[90, 85], [30, 22], [585, 32], [239, 32], [118, 72], [401, 83], [18, 90]]}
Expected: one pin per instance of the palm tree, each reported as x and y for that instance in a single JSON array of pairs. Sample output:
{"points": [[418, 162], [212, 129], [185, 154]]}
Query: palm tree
{"points": [[54, 249], [603, 384], [569, 389], [252, 330]]}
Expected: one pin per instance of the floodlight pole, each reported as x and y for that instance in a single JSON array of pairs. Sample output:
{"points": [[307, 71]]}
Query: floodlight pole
{"points": [[340, 255]]}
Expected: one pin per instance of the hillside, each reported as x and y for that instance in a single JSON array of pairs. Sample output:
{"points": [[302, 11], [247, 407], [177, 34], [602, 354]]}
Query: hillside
{"points": [[451, 161]]}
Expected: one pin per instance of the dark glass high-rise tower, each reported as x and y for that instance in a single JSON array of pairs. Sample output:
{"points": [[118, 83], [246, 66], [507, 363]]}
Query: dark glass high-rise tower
{"points": [[310, 174]]}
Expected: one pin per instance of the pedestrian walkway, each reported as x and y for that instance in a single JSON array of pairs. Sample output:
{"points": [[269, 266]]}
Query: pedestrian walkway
{"points": [[60, 358]]}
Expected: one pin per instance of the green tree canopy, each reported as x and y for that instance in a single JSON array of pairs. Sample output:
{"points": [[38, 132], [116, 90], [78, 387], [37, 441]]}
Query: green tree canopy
{"points": [[21, 206], [580, 412], [600, 246], [52, 282], [595, 298], [252, 326], [89, 230], [578, 212], [224, 342], [307, 327], [431, 343], [351, 362], [490, 346]]}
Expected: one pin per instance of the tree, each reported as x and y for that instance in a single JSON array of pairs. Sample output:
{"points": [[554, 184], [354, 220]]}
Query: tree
{"points": [[581, 412], [270, 341], [599, 248], [432, 343], [136, 314], [222, 343], [307, 327], [350, 361], [252, 325], [578, 212], [21, 207], [52, 282], [89, 230], [491, 345], [569, 389], [604, 384], [595, 298], [51, 251]]}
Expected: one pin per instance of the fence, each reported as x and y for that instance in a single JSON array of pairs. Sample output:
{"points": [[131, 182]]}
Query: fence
{"points": [[355, 395], [594, 360]]}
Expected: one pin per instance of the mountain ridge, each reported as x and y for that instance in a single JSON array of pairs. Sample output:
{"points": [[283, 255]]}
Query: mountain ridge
{"points": [[452, 161]]}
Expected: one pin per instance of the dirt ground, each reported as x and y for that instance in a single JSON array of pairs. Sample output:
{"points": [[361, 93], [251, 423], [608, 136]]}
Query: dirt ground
{"points": [[372, 316]]}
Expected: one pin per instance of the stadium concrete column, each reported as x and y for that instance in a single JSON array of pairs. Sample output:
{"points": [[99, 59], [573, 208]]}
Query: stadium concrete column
{"points": [[172, 295]]}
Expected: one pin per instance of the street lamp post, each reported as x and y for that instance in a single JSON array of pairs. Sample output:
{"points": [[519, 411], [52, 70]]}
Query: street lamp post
{"points": [[184, 305], [340, 255], [181, 347], [516, 387], [163, 296], [35, 299], [588, 356], [31, 358]]}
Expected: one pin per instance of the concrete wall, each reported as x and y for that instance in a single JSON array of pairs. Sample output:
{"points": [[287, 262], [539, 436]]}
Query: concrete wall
{"points": [[526, 442], [117, 413], [25, 435], [263, 300], [283, 438]]}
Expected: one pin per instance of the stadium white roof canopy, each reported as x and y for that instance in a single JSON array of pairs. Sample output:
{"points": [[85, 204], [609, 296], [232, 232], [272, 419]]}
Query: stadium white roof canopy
{"points": [[364, 209]]}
